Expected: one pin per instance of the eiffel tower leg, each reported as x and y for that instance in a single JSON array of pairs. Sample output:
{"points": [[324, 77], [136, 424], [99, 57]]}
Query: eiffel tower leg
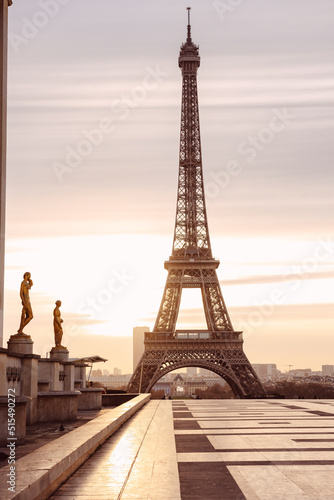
{"points": [[170, 303], [214, 305], [245, 374], [140, 381]]}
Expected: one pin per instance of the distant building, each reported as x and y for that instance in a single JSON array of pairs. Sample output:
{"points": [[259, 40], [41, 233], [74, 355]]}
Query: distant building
{"points": [[96, 373], [301, 372], [113, 381], [105, 373], [191, 371], [327, 370], [138, 343], [180, 386], [266, 371], [183, 387], [117, 371], [207, 373]]}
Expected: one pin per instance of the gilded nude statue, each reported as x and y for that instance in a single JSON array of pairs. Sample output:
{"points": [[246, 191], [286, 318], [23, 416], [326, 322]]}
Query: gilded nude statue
{"points": [[27, 314], [57, 321]]}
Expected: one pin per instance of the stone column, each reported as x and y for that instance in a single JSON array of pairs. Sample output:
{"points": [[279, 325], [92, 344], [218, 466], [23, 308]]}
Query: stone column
{"points": [[55, 382], [83, 375], [29, 384], [3, 372], [69, 377], [3, 146]]}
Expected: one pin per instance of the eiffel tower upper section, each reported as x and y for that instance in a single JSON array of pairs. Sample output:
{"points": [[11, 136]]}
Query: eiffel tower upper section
{"points": [[191, 264], [191, 235]]}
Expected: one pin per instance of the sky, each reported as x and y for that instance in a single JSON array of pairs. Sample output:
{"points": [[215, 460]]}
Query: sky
{"points": [[94, 94]]}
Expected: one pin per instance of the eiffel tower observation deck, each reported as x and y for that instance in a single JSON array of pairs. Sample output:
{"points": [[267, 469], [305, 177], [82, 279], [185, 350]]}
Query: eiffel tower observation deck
{"points": [[219, 348]]}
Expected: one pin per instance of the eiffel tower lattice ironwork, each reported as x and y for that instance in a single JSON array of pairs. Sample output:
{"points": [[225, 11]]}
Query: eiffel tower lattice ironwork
{"points": [[191, 265]]}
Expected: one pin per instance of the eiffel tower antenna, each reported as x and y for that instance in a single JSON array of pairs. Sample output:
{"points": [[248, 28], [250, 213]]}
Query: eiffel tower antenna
{"points": [[189, 26], [191, 265]]}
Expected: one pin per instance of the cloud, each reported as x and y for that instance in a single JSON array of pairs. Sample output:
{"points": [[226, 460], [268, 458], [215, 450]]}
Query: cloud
{"points": [[52, 102], [277, 278], [300, 313]]}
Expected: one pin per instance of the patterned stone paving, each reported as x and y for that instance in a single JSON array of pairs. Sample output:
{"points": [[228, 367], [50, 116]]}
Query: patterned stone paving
{"points": [[271, 450], [214, 450]]}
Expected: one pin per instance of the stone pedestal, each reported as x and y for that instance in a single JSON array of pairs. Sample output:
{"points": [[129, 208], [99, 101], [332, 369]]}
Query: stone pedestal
{"points": [[59, 353], [20, 344]]}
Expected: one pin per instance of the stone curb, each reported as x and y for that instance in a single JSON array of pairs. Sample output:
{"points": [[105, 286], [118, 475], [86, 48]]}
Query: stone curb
{"points": [[40, 473]]}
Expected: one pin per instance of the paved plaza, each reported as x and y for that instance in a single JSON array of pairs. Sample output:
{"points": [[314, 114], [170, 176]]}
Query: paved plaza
{"points": [[214, 449]]}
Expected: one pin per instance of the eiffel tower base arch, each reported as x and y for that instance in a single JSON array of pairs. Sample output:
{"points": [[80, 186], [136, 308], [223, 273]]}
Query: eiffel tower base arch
{"points": [[225, 357]]}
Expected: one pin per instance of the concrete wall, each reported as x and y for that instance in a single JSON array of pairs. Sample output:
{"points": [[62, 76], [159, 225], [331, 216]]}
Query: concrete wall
{"points": [[57, 406], [10, 373], [31, 376], [19, 417], [52, 372], [19, 372], [90, 399], [116, 399]]}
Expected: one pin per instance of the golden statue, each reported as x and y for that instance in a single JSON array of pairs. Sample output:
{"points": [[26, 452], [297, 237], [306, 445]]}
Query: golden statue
{"points": [[27, 314], [57, 321]]}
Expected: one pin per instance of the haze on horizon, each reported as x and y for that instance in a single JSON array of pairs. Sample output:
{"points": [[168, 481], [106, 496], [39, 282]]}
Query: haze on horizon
{"points": [[93, 224]]}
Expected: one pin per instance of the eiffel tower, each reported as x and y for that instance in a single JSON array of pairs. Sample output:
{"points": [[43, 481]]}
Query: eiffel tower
{"points": [[191, 265]]}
